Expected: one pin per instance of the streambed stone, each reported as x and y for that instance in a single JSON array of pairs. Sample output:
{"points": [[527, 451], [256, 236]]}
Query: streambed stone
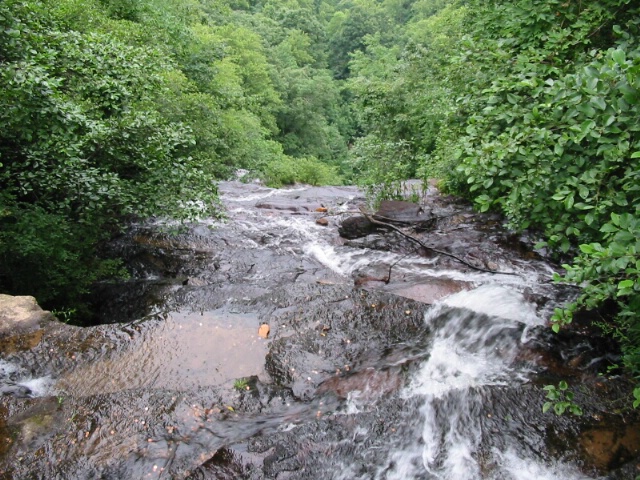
{"points": [[140, 398], [21, 315], [21, 323]]}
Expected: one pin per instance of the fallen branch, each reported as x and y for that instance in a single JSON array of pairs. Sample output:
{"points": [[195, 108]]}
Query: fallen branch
{"points": [[427, 247]]}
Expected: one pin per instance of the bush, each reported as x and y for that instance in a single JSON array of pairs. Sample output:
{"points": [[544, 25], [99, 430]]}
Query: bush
{"points": [[289, 170], [553, 142], [42, 256], [83, 147]]}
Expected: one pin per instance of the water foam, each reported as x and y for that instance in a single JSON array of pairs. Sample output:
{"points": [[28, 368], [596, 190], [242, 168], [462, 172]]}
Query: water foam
{"points": [[519, 468], [14, 375], [40, 387], [497, 301], [476, 337], [261, 195]]}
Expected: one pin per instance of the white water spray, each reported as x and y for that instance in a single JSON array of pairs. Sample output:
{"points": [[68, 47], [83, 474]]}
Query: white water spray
{"points": [[476, 337]]}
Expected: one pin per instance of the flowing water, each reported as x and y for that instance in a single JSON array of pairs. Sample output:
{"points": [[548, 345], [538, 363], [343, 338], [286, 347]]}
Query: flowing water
{"points": [[432, 374]]}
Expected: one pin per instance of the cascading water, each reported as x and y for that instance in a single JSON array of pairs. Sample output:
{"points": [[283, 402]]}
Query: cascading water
{"points": [[352, 383], [475, 342]]}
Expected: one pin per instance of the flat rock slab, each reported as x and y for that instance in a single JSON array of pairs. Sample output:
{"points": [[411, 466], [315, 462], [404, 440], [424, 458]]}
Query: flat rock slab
{"points": [[19, 315], [397, 211], [431, 290], [288, 205]]}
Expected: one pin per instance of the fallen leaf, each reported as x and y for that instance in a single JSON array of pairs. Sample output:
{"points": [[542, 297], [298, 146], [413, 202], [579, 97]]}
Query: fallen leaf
{"points": [[264, 330], [321, 209]]}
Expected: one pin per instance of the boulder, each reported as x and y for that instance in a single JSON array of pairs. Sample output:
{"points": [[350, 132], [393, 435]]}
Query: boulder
{"points": [[355, 227], [21, 323], [405, 213], [21, 315], [395, 212]]}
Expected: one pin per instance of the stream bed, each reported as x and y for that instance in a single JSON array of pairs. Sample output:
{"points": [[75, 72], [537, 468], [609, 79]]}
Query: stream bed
{"points": [[268, 346]]}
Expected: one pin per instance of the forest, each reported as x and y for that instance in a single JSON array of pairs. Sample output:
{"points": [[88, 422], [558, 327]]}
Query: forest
{"points": [[116, 110]]}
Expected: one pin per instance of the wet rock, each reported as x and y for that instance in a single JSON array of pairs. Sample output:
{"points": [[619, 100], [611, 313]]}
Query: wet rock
{"points": [[407, 213], [398, 210], [287, 205], [610, 447], [281, 460], [222, 466], [368, 384], [431, 290], [138, 400], [382, 242], [15, 390], [195, 282], [323, 222], [21, 323], [355, 227], [394, 212]]}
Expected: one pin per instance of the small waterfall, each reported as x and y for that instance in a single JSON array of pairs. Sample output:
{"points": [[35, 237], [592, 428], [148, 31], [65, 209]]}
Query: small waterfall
{"points": [[476, 338], [16, 381], [382, 362]]}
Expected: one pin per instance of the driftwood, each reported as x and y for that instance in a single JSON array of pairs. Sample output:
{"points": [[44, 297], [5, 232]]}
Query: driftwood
{"points": [[427, 247]]}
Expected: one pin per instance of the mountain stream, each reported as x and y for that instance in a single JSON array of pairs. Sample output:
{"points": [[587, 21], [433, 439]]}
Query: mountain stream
{"points": [[267, 346]]}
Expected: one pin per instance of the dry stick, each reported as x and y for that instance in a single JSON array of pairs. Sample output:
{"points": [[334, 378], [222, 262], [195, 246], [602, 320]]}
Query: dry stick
{"points": [[388, 279], [413, 239]]}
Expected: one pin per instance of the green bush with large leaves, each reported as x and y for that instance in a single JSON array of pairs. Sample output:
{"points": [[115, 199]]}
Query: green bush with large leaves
{"points": [[553, 141], [525, 107], [82, 146]]}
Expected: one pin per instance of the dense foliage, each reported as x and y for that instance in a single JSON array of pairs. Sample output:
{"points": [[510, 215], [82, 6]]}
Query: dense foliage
{"points": [[554, 143], [82, 143], [115, 109], [530, 108]]}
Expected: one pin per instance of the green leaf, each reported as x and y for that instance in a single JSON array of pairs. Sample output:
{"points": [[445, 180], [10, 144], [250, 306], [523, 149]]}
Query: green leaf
{"points": [[583, 191], [560, 408], [586, 126], [625, 284], [588, 249], [575, 409], [568, 203], [547, 406], [598, 102], [619, 56], [589, 218], [615, 218]]}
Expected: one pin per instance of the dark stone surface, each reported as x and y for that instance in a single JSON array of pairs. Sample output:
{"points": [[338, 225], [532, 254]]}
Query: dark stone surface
{"points": [[331, 402], [355, 227], [398, 212]]}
